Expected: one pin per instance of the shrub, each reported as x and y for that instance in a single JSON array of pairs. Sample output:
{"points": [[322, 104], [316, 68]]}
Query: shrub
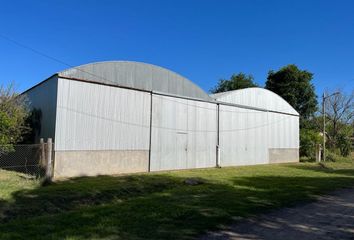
{"points": [[308, 141], [334, 156]]}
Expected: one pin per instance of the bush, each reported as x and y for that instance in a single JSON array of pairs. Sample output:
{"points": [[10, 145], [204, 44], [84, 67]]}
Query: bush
{"points": [[334, 156], [308, 141], [343, 141], [344, 144]]}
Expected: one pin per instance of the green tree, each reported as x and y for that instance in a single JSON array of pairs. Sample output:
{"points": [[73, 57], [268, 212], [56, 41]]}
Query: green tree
{"points": [[13, 114], [294, 85], [236, 81]]}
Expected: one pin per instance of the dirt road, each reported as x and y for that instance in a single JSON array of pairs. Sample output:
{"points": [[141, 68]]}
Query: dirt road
{"points": [[331, 217]]}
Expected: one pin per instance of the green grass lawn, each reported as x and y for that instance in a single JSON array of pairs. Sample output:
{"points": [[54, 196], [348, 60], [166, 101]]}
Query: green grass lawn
{"points": [[159, 205]]}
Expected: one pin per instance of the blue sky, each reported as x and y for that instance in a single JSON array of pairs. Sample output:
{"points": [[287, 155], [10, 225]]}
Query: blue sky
{"points": [[202, 40]]}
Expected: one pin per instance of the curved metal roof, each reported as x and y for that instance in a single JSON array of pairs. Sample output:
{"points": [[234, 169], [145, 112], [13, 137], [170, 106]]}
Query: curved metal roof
{"points": [[257, 98], [137, 75]]}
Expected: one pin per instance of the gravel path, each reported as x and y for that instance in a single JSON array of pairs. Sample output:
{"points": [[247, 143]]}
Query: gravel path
{"points": [[331, 217]]}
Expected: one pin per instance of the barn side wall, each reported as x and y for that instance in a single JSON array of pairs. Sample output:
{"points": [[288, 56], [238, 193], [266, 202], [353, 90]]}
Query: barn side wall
{"points": [[243, 136], [184, 134], [101, 130], [43, 99], [283, 138], [249, 137]]}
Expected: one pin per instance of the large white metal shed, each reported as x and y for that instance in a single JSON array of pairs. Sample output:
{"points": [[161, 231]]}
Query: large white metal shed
{"points": [[122, 117]]}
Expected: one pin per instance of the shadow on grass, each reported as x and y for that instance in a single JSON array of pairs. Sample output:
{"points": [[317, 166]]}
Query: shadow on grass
{"points": [[151, 206]]}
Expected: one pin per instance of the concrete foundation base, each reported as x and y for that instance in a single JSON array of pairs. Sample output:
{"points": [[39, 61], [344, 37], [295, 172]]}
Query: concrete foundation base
{"points": [[92, 163], [283, 155]]}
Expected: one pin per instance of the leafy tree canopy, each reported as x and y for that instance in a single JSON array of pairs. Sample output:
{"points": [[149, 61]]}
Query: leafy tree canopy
{"points": [[237, 81], [295, 86], [13, 114]]}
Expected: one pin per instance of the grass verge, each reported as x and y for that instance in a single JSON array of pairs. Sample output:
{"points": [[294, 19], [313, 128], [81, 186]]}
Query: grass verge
{"points": [[160, 205]]}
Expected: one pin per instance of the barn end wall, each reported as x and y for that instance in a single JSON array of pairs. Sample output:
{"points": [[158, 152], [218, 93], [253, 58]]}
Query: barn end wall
{"points": [[43, 98]]}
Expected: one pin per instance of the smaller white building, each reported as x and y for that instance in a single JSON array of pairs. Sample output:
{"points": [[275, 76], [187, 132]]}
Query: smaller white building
{"points": [[256, 126]]}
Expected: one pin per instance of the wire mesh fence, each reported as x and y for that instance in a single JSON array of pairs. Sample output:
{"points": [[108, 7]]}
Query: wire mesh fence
{"points": [[30, 159]]}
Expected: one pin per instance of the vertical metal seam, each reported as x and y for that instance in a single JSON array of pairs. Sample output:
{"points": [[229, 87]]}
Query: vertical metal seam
{"points": [[187, 128], [218, 136], [149, 164]]}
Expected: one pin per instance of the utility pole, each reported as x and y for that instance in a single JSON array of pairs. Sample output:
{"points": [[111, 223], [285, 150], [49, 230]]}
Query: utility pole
{"points": [[324, 126]]}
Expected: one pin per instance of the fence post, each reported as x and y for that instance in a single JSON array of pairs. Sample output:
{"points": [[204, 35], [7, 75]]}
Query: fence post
{"points": [[49, 170]]}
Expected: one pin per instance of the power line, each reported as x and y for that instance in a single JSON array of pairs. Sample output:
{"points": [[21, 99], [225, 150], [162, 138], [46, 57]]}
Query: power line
{"points": [[52, 58], [35, 51]]}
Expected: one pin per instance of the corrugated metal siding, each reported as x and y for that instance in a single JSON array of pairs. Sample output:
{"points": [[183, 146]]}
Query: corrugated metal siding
{"points": [[184, 134], [258, 98], [137, 75], [98, 117], [283, 131], [44, 98], [243, 136], [246, 135]]}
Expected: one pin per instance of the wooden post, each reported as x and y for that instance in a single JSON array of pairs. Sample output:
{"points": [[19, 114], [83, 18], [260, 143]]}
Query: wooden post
{"points": [[49, 170]]}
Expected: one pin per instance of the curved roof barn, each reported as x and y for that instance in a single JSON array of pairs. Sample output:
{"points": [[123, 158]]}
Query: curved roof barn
{"points": [[136, 75], [257, 98], [149, 77]]}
